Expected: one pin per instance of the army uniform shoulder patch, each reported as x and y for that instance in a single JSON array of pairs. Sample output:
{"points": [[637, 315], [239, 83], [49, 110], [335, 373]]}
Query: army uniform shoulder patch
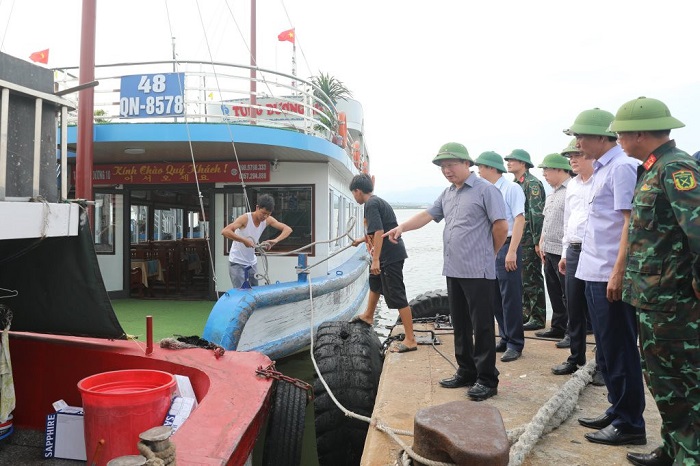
{"points": [[645, 187], [535, 190], [684, 180]]}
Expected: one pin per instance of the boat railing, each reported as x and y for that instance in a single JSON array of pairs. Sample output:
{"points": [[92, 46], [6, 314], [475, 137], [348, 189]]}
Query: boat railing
{"points": [[215, 92], [43, 102]]}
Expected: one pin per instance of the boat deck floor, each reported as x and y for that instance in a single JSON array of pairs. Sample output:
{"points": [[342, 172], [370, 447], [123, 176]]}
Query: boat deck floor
{"points": [[26, 448], [409, 382]]}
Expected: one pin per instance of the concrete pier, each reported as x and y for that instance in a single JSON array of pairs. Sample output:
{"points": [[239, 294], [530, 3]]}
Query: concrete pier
{"points": [[409, 382]]}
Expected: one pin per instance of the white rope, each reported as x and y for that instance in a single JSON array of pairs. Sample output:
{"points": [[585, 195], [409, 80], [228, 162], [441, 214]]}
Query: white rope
{"points": [[377, 423], [555, 411]]}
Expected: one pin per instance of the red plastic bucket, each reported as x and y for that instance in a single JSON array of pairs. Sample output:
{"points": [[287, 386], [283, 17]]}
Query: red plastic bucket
{"points": [[118, 406]]}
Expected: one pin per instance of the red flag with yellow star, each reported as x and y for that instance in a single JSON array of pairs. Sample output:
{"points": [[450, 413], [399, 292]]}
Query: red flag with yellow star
{"points": [[40, 57], [287, 35]]}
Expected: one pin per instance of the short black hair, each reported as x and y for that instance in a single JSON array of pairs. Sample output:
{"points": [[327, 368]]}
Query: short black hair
{"points": [[265, 201], [363, 182]]}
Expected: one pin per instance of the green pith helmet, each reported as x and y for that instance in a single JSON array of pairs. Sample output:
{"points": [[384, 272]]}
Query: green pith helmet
{"points": [[555, 161], [570, 149], [644, 114], [594, 122], [491, 159], [519, 154], [453, 150]]}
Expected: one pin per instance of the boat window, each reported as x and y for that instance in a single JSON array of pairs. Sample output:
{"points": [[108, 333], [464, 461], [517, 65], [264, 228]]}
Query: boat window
{"points": [[167, 224], [139, 224], [104, 223], [293, 206], [197, 228]]}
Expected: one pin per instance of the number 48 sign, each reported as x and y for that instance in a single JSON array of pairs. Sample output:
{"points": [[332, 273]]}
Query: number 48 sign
{"points": [[152, 95]]}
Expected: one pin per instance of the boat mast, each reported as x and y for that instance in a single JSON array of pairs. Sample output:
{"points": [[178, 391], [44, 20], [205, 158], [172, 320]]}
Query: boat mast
{"points": [[253, 61], [84, 152]]}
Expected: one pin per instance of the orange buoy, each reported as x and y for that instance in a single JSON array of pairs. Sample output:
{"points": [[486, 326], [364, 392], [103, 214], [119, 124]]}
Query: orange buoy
{"points": [[365, 167], [343, 128], [356, 158]]}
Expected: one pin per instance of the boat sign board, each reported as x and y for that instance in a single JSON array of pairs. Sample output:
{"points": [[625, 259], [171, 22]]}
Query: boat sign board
{"points": [[160, 173], [152, 95]]}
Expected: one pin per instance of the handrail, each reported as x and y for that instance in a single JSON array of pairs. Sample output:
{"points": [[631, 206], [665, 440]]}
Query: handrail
{"points": [[40, 98], [279, 104]]}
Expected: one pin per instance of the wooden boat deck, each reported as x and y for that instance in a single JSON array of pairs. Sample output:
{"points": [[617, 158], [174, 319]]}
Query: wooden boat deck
{"points": [[409, 382]]}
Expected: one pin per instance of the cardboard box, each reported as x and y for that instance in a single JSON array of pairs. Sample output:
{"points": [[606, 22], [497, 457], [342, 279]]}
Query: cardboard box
{"points": [[180, 410], [65, 433]]}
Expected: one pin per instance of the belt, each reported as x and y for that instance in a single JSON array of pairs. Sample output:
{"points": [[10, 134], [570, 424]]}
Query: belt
{"points": [[575, 246]]}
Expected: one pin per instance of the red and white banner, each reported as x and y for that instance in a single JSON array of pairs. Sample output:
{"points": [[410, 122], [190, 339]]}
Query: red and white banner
{"points": [[175, 173]]}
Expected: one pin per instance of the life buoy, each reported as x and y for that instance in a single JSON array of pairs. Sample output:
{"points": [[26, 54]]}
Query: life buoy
{"points": [[343, 128], [357, 160], [365, 167]]}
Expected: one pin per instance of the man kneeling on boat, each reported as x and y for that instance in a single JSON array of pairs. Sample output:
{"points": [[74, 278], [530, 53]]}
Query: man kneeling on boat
{"points": [[245, 231]]}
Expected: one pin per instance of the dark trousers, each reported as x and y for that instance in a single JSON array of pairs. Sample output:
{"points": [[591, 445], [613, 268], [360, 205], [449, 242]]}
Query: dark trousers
{"points": [[576, 307], [555, 291], [508, 301], [617, 356], [471, 310]]}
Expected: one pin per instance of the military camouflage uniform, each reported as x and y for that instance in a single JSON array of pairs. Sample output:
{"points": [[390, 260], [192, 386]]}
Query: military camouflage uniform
{"points": [[534, 306], [663, 259]]}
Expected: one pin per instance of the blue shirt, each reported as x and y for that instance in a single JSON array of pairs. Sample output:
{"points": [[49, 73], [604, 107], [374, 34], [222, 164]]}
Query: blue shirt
{"points": [[469, 214], [514, 198], [614, 178]]}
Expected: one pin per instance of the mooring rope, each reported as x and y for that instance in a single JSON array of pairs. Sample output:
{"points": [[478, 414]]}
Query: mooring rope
{"points": [[550, 416], [522, 439]]}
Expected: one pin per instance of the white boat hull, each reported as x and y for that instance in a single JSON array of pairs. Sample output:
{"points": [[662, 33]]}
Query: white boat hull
{"points": [[276, 320]]}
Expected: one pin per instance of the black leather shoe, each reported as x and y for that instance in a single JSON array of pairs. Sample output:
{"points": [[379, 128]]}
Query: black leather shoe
{"points": [[480, 392], [501, 346], [599, 422], [656, 458], [611, 435], [456, 381], [564, 368], [510, 355], [598, 379], [551, 333], [564, 343], [532, 325]]}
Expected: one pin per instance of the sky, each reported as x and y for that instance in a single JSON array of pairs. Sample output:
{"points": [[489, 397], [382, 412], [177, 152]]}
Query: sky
{"points": [[493, 75]]}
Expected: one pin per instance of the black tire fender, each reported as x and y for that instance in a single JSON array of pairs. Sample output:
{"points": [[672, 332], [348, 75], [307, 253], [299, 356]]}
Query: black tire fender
{"points": [[430, 304], [349, 359], [285, 426]]}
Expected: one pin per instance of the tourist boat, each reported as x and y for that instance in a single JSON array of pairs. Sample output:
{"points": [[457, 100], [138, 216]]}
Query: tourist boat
{"points": [[180, 154], [53, 298]]}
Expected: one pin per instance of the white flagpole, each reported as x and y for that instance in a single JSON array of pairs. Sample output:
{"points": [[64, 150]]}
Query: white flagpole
{"points": [[294, 63]]}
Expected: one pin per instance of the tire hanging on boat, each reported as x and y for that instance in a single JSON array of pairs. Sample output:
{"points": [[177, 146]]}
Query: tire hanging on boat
{"points": [[285, 426], [429, 304], [349, 359]]}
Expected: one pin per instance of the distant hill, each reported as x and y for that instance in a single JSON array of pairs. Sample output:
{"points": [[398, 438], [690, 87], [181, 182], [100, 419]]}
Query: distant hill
{"points": [[414, 198]]}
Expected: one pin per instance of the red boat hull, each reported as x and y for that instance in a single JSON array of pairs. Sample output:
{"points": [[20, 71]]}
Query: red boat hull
{"points": [[233, 400]]}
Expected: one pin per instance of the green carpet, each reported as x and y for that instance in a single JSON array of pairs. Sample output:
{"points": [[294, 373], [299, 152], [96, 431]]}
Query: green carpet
{"points": [[169, 317]]}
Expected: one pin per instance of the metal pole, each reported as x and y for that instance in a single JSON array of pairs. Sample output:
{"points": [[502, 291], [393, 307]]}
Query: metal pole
{"points": [[86, 104], [253, 60], [294, 63]]}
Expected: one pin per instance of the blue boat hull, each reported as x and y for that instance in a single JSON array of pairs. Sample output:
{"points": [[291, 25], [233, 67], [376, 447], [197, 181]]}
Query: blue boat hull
{"points": [[276, 320]]}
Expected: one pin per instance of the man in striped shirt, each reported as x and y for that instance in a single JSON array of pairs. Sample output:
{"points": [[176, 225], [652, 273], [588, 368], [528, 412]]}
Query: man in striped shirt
{"points": [[556, 170], [475, 228]]}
